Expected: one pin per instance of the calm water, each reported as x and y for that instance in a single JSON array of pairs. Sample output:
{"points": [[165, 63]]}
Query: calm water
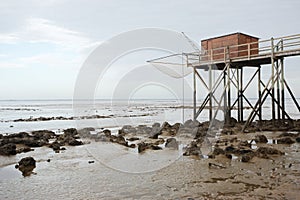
{"points": [[119, 112]]}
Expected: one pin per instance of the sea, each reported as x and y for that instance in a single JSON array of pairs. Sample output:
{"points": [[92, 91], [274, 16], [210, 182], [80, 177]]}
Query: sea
{"points": [[56, 115]]}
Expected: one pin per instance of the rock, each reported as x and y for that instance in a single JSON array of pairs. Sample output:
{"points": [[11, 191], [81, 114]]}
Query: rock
{"points": [[31, 142], [171, 143], [218, 151], [233, 122], [133, 139], [43, 135], [156, 125], [155, 132], [73, 142], [126, 130], [18, 135], [168, 130], [107, 132], [298, 139], [142, 147], [48, 160], [247, 157], [26, 165], [131, 146], [55, 146], [229, 156], [118, 139], [70, 132], [192, 149], [200, 131], [159, 141], [227, 131], [91, 161], [155, 147], [191, 124], [24, 150], [261, 139], [287, 134], [230, 149], [244, 143], [285, 140], [268, 150], [8, 149], [85, 132]]}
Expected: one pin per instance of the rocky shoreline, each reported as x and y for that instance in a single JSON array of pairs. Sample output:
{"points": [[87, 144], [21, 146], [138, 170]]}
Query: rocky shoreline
{"points": [[165, 136]]}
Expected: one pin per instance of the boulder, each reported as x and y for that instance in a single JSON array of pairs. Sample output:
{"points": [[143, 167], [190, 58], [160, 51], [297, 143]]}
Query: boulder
{"points": [[70, 132], [133, 139], [73, 142], [156, 125], [192, 149], [191, 124], [32, 142], [24, 150], [261, 139], [43, 135], [218, 151], [269, 151], [26, 165], [285, 140], [144, 146], [155, 132], [18, 135], [118, 139], [55, 146], [247, 157], [107, 132], [85, 132], [8, 149], [171, 143], [126, 129]]}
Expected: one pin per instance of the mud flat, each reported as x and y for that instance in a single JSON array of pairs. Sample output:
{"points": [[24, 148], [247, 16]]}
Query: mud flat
{"points": [[162, 161]]}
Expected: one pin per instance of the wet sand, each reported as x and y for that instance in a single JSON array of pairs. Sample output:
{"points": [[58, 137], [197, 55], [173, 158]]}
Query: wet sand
{"points": [[69, 175]]}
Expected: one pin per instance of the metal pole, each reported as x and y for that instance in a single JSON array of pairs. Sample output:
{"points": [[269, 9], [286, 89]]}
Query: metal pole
{"points": [[241, 94], [225, 93], [282, 83], [259, 94], [195, 97], [228, 95], [210, 92], [278, 91], [238, 95], [273, 81]]}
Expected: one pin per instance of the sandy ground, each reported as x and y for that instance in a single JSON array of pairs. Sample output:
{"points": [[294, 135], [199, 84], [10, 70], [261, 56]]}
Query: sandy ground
{"points": [[69, 175]]}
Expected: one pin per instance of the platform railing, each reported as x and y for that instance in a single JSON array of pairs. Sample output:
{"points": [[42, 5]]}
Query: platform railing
{"points": [[249, 50]]}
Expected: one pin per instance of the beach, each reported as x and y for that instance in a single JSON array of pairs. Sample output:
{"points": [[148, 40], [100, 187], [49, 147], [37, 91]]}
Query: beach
{"points": [[106, 165]]}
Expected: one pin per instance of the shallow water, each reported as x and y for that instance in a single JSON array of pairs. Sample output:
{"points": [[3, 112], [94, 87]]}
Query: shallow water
{"points": [[122, 173], [70, 176]]}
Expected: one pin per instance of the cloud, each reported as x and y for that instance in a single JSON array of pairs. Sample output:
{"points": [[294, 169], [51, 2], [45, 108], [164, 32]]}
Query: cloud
{"points": [[10, 65], [43, 30], [72, 46], [37, 30], [52, 60], [10, 38]]}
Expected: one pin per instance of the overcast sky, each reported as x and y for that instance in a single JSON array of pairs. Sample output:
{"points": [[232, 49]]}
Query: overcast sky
{"points": [[43, 44]]}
